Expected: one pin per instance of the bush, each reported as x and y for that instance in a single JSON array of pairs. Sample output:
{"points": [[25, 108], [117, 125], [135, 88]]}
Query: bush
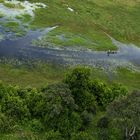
{"points": [[78, 82], [86, 118], [6, 124], [105, 94], [15, 108], [78, 78], [52, 135], [103, 122], [124, 115], [82, 136], [36, 126], [59, 110]]}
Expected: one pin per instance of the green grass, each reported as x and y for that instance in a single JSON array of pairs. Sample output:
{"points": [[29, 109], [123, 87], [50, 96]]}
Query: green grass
{"points": [[40, 74], [87, 26], [35, 77], [129, 78], [91, 19], [61, 37], [1, 1]]}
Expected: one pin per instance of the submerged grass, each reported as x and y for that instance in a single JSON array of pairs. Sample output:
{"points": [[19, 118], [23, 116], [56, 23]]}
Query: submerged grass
{"points": [[25, 18], [15, 27]]}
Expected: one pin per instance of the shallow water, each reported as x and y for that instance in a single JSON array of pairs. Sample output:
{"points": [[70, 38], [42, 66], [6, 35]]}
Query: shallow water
{"points": [[11, 46], [22, 48], [128, 55]]}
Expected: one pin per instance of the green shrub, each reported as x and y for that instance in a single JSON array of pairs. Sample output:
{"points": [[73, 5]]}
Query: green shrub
{"points": [[15, 108], [6, 124], [105, 94], [36, 126], [53, 135], [124, 115], [103, 122], [82, 136]]}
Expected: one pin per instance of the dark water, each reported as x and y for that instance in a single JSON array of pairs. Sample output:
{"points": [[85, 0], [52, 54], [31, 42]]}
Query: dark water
{"points": [[22, 48]]}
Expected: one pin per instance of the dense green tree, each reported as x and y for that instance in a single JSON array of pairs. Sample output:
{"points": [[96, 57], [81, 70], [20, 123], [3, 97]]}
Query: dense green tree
{"points": [[78, 78], [124, 115], [33, 98], [67, 110], [105, 94], [59, 111], [36, 125], [78, 81], [82, 136], [53, 135], [6, 124], [14, 107]]}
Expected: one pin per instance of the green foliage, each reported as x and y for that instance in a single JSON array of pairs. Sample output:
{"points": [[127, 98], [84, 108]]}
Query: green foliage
{"points": [[104, 94], [66, 110], [103, 122], [78, 81], [87, 118], [51, 135], [124, 115], [87, 92], [82, 136], [5, 123], [36, 126], [59, 110], [15, 108]]}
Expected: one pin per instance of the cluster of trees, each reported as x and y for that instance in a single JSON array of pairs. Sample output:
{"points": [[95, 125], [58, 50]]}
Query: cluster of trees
{"points": [[66, 110]]}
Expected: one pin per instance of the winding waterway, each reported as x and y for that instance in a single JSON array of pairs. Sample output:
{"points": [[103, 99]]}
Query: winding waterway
{"points": [[127, 55], [12, 46]]}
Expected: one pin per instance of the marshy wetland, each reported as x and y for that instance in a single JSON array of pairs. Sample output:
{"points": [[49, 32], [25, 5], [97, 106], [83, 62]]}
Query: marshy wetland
{"points": [[69, 70], [31, 31]]}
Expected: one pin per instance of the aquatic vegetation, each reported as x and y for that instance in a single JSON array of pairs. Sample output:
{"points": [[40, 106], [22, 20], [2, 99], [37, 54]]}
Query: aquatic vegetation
{"points": [[11, 5], [16, 17], [25, 7], [24, 18], [1, 15]]}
